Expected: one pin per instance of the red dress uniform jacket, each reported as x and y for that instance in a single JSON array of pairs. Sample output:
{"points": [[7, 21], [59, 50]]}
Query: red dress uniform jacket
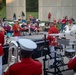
{"points": [[72, 64], [16, 29], [1, 43], [51, 39], [27, 66]]}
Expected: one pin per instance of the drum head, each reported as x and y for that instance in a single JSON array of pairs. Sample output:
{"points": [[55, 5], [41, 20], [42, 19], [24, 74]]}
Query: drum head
{"points": [[70, 50]]}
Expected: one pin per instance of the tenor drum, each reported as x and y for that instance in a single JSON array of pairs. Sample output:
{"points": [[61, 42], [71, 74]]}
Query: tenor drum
{"points": [[69, 53]]}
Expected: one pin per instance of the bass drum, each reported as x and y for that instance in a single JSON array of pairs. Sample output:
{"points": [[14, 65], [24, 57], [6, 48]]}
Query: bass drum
{"points": [[69, 53]]}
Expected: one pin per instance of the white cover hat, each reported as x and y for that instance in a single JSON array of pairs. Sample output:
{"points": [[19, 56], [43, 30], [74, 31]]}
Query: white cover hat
{"points": [[27, 44]]}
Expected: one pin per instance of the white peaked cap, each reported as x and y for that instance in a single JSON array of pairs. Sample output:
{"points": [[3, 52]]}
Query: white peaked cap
{"points": [[27, 44]]}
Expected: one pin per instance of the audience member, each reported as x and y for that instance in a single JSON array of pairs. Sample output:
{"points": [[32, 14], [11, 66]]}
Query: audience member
{"points": [[14, 16], [19, 18], [34, 20], [70, 23], [63, 24], [23, 15], [8, 30], [49, 16], [46, 27], [24, 28], [30, 17]]}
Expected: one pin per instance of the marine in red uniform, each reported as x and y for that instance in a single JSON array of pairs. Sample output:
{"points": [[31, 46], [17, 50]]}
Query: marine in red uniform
{"points": [[72, 64], [1, 43], [1, 50], [52, 39], [27, 66], [16, 29], [52, 30]]}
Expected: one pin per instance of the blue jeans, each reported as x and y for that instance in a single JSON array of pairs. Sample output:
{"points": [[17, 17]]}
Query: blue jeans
{"points": [[62, 27]]}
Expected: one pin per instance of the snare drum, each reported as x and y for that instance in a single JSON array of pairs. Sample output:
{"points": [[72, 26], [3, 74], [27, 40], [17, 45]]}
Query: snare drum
{"points": [[69, 53]]}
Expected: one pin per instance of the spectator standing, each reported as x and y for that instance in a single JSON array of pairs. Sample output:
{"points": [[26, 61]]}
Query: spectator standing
{"points": [[49, 16], [19, 19], [23, 20], [23, 15], [59, 21], [70, 24], [66, 18], [63, 24], [73, 20], [7, 29], [4, 21], [14, 16], [30, 17], [54, 21]]}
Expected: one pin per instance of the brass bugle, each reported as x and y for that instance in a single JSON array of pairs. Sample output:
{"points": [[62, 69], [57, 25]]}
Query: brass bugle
{"points": [[12, 54]]}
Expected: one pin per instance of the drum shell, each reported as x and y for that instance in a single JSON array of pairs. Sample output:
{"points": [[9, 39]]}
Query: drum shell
{"points": [[69, 53]]}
